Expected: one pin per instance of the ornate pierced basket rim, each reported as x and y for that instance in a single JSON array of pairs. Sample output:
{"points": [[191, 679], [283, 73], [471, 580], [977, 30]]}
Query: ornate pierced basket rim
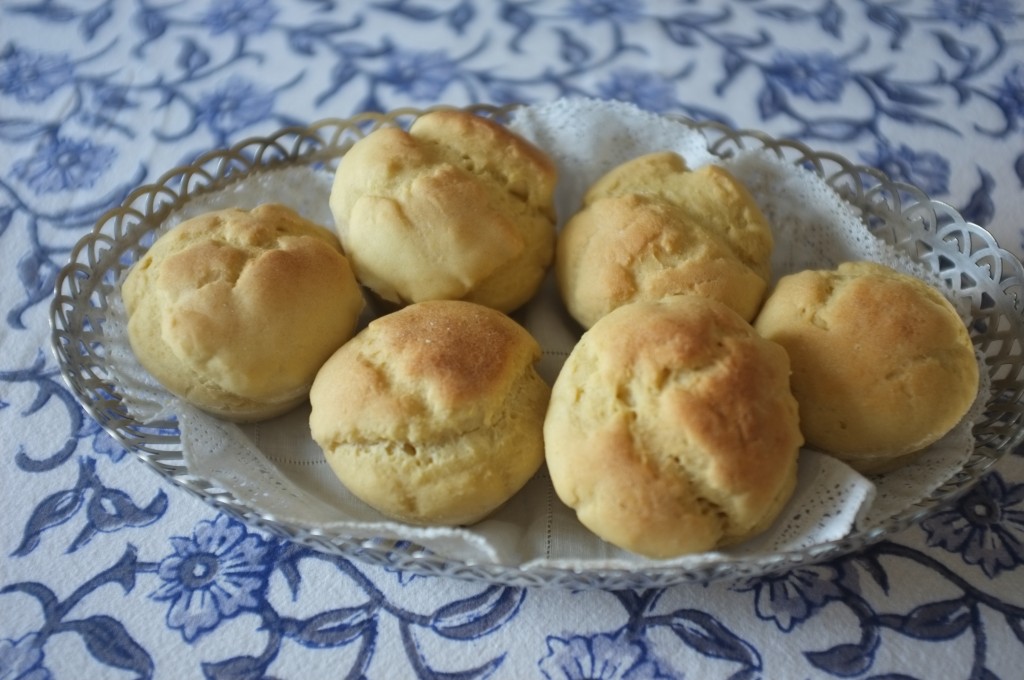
{"points": [[157, 445]]}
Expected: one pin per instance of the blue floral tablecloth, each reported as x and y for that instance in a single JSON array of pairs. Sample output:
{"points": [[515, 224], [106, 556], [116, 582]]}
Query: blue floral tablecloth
{"points": [[108, 571]]}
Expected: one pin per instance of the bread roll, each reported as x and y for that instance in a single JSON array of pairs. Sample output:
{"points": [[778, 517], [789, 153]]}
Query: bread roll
{"points": [[433, 414], [457, 208], [235, 311], [672, 429], [652, 227], [882, 364]]}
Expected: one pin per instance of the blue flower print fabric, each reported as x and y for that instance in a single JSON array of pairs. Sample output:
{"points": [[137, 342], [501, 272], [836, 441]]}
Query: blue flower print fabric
{"points": [[108, 571]]}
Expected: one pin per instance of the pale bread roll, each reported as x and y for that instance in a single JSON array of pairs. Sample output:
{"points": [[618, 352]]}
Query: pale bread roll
{"points": [[235, 311], [672, 429], [652, 227], [882, 364], [433, 414], [457, 208]]}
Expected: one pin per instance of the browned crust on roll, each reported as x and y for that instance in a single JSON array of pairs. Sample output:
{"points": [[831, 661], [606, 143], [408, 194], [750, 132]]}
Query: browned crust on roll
{"points": [[433, 413], [631, 248], [882, 364], [652, 227], [458, 207], [235, 311], [671, 428], [710, 195]]}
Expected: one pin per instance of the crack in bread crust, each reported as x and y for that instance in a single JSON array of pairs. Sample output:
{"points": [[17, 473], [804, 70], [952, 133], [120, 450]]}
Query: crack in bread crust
{"points": [[215, 299], [671, 428], [457, 207], [651, 228], [882, 363], [433, 414]]}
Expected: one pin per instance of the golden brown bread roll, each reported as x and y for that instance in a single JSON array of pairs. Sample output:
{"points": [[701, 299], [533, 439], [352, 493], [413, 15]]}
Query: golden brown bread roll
{"points": [[235, 311], [457, 208], [433, 414], [651, 227], [882, 364], [671, 428]]}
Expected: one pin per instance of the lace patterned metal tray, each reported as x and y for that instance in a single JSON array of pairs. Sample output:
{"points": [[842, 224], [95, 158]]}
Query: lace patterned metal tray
{"points": [[965, 256]]}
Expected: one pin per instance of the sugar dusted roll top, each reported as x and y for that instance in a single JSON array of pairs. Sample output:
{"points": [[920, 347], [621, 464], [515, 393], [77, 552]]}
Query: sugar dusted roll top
{"points": [[433, 414], [235, 311], [457, 208], [672, 428]]}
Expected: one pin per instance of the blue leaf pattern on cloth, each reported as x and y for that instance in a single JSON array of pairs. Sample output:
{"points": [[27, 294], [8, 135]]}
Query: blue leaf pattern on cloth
{"points": [[109, 642], [107, 510], [245, 17], [22, 659], [113, 94], [1010, 94], [964, 13], [479, 615]]}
